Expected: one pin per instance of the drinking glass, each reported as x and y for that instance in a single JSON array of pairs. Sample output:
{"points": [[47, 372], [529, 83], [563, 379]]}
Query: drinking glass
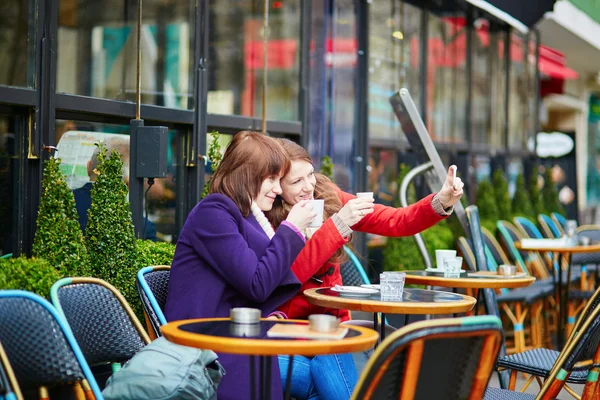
{"points": [[571, 232], [452, 267], [391, 285]]}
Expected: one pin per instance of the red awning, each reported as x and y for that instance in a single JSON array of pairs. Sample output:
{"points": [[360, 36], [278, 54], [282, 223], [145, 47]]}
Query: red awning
{"points": [[552, 64]]}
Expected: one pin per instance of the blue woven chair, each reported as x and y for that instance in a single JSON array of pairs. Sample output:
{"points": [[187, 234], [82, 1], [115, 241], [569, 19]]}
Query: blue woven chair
{"points": [[102, 321], [549, 227], [577, 362], [152, 284], [442, 359], [559, 221], [8, 255], [9, 388], [40, 346]]}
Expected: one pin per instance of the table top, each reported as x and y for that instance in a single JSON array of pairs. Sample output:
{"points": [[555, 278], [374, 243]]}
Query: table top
{"points": [[560, 249], [422, 278], [414, 301], [222, 335]]}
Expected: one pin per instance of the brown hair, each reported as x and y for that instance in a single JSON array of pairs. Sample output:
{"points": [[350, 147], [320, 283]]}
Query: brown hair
{"points": [[324, 189], [250, 158]]}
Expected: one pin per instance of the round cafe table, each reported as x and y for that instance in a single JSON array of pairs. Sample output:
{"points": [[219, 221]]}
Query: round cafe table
{"points": [[221, 335], [414, 301], [469, 282]]}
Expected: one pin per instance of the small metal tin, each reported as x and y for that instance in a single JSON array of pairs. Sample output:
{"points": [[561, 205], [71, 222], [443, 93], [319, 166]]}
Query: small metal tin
{"points": [[245, 315], [323, 323], [507, 270]]}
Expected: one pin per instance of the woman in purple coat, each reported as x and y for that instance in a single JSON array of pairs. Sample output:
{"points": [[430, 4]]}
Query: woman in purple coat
{"points": [[228, 254]]}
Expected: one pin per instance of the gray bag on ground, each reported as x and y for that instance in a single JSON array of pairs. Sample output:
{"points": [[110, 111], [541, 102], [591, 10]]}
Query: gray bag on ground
{"points": [[163, 370]]}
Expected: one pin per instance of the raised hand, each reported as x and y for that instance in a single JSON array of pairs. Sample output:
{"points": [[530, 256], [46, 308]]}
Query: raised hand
{"points": [[301, 215], [355, 210], [452, 190]]}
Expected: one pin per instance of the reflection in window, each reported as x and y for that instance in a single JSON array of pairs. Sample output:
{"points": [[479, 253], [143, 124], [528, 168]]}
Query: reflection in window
{"points": [[11, 154], [17, 22], [395, 27], [521, 92], [481, 107], [97, 50], [446, 76], [498, 87], [76, 144], [383, 167], [236, 49]]}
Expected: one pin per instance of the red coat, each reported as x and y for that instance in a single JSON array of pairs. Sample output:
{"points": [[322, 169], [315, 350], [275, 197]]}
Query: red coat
{"points": [[313, 258]]}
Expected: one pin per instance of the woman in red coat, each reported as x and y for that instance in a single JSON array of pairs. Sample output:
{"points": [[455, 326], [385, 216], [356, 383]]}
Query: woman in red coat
{"points": [[318, 264]]}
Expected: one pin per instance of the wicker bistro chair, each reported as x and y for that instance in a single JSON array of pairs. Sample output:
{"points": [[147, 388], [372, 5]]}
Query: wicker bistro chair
{"points": [[450, 358], [579, 361], [152, 284], [517, 304], [103, 323], [352, 271], [9, 388], [41, 347], [538, 362]]}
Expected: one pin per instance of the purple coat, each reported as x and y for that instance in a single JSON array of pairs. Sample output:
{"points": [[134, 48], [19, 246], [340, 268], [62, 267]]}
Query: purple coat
{"points": [[224, 260]]}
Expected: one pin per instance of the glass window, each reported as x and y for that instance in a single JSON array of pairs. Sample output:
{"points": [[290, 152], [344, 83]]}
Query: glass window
{"points": [[17, 43], [520, 91], [498, 88], [394, 42], [383, 167], [76, 144], [236, 51], [446, 77], [11, 156], [481, 107], [593, 153], [97, 50]]}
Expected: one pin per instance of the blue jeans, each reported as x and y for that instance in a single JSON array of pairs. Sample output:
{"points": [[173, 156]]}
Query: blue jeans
{"points": [[327, 377]]}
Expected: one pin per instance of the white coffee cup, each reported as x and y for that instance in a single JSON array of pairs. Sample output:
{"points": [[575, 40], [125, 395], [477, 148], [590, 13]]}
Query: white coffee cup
{"points": [[365, 194], [440, 255], [318, 206]]}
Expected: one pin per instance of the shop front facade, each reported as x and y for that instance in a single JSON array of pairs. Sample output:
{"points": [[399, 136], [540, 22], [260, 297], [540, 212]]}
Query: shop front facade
{"points": [[68, 78]]}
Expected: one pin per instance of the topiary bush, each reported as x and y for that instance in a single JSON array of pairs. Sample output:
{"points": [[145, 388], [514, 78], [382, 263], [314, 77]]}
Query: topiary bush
{"points": [[154, 253], [501, 195], [34, 275], [215, 156], [521, 204], [535, 195], [58, 238], [550, 195], [327, 167], [486, 203], [109, 234]]}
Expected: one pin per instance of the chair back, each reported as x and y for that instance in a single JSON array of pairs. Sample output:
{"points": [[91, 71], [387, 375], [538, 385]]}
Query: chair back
{"points": [[509, 234], [352, 271], [449, 358], [7, 255], [101, 319], [528, 228], [40, 346], [152, 284], [9, 388], [549, 228], [465, 250], [494, 247], [559, 220]]}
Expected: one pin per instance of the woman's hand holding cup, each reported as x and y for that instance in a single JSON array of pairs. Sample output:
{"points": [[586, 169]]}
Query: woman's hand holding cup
{"points": [[356, 209], [301, 215]]}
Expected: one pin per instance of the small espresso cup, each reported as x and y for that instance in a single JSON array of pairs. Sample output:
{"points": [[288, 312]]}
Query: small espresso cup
{"points": [[368, 195], [440, 255], [318, 206], [323, 323]]}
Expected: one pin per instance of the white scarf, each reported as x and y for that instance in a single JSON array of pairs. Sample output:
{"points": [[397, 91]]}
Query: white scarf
{"points": [[262, 220]]}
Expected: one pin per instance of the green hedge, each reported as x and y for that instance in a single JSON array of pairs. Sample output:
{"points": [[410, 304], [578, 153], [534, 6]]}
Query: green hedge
{"points": [[35, 275]]}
